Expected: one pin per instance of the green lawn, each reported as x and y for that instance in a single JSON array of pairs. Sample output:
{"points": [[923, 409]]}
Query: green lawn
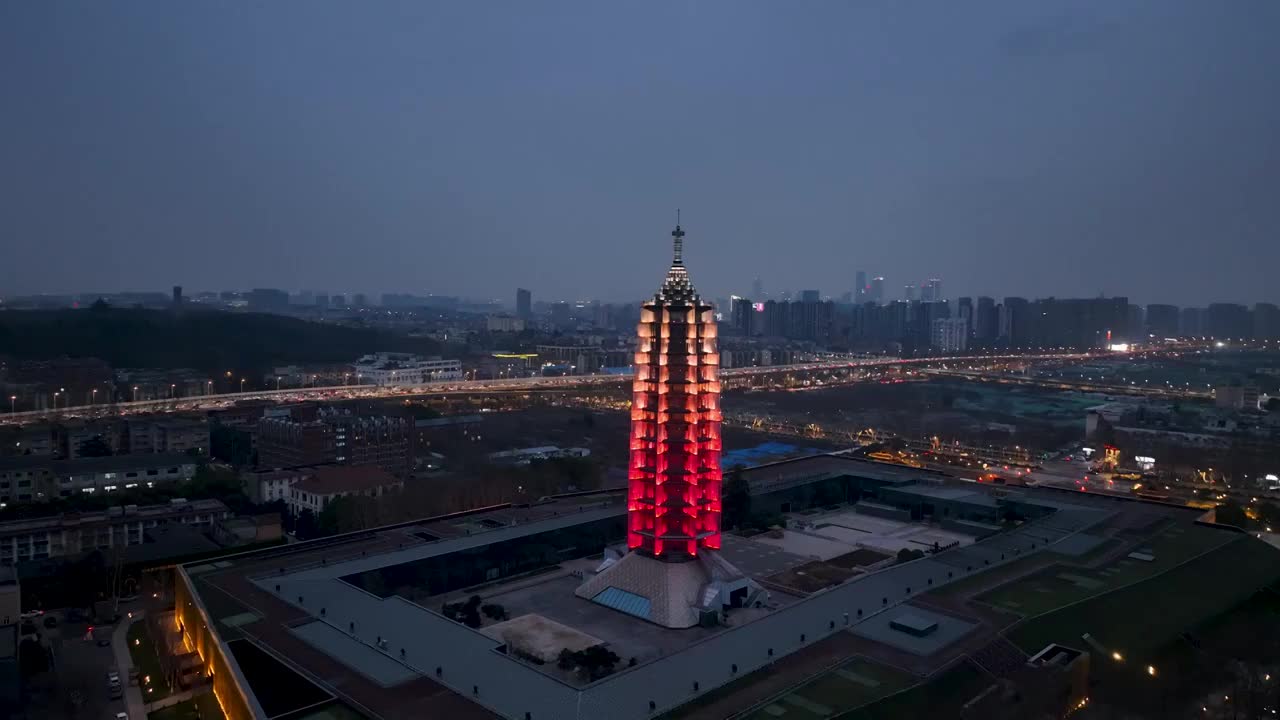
{"points": [[1061, 585], [939, 697], [202, 707], [143, 654], [852, 685], [1148, 615], [987, 578], [1186, 672]]}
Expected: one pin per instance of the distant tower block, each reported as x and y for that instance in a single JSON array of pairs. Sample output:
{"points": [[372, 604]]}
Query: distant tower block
{"points": [[674, 475]]}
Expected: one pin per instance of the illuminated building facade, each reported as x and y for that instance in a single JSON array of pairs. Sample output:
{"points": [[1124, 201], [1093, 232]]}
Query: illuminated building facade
{"points": [[674, 474]]}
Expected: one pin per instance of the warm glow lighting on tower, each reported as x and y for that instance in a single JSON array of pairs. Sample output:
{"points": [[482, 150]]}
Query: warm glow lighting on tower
{"points": [[674, 475]]}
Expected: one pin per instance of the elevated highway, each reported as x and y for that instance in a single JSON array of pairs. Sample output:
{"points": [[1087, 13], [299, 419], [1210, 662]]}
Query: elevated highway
{"points": [[336, 393]]}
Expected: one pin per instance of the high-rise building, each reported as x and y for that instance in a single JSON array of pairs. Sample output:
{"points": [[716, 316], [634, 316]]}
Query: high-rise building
{"points": [[1136, 322], [1162, 320], [177, 296], [776, 318], [1076, 322], [1015, 321], [909, 293], [1191, 322], [950, 334], [1228, 320], [359, 300], [740, 314], [876, 294], [860, 287], [673, 503], [964, 311], [986, 321], [1266, 322], [757, 289], [810, 296], [524, 304], [560, 314], [268, 300], [931, 291]]}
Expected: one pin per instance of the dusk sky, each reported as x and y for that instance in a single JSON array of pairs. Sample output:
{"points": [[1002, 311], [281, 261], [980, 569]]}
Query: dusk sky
{"points": [[1009, 148]]}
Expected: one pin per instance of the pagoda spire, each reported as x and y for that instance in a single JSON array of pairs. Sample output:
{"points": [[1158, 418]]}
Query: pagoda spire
{"points": [[677, 242]]}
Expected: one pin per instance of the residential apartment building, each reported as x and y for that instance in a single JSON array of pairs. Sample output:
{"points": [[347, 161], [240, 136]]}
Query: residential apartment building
{"points": [[36, 478], [272, 484], [168, 434], [70, 534], [337, 436], [26, 440], [330, 482], [285, 442]]}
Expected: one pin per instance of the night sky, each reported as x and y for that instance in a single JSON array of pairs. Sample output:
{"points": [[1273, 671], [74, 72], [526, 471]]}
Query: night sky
{"points": [[1010, 148]]}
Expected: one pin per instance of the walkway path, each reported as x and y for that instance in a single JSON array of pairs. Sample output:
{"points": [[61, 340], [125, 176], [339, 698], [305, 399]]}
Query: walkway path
{"points": [[120, 648]]}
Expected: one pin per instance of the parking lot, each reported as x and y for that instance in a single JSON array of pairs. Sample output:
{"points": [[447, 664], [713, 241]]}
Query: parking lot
{"points": [[75, 687]]}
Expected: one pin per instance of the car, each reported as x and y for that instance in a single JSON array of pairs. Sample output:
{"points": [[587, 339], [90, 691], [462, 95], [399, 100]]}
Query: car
{"points": [[51, 622], [104, 641], [122, 716], [31, 614]]}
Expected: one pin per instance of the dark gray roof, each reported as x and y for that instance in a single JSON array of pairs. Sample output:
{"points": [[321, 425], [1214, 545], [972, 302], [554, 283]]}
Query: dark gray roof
{"points": [[98, 464], [470, 660]]}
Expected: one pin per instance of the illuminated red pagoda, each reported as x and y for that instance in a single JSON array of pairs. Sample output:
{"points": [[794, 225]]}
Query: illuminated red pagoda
{"points": [[670, 572], [674, 476]]}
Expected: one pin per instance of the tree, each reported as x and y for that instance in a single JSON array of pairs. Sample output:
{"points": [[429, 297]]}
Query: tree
{"points": [[737, 499], [467, 613], [907, 555], [95, 446], [597, 661], [1231, 513], [327, 520], [230, 445], [34, 659], [304, 525], [566, 660]]}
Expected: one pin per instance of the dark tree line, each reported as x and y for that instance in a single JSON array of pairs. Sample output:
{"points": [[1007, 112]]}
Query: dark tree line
{"points": [[201, 339]]}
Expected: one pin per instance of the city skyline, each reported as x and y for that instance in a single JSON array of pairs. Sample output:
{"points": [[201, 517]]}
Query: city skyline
{"points": [[451, 149]]}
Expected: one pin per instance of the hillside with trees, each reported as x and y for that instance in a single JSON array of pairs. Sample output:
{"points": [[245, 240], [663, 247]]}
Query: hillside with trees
{"points": [[200, 339]]}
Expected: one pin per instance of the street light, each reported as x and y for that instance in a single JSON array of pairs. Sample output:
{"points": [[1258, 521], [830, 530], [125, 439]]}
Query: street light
{"points": [[135, 393], [241, 384], [173, 390], [55, 399], [93, 396], [13, 404], [277, 383]]}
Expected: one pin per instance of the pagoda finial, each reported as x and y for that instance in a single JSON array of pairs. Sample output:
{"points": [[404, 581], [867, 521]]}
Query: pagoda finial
{"points": [[678, 241]]}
